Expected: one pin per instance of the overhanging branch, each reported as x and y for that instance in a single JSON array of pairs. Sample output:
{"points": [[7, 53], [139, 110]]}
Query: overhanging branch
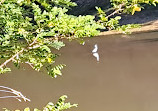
{"points": [[116, 11], [16, 94], [30, 46], [11, 59]]}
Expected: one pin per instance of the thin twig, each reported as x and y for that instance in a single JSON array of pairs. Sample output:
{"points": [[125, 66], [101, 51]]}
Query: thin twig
{"points": [[6, 91], [34, 41], [9, 97], [5, 87], [30, 64], [116, 11]]}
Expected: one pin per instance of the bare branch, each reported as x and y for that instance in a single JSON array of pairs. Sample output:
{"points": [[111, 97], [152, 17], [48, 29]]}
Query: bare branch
{"points": [[8, 97], [18, 95], [30, 64], [6, 91], [116, 11], [35, 40]]}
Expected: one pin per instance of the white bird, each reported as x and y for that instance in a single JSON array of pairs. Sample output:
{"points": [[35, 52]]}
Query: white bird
{"points": [[95, 53], [95, 48]]}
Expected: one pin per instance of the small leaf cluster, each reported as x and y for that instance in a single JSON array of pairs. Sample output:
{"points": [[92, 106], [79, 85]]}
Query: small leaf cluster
{"points": [[55, 71], [59, 106], [107, 23], [4, 70], [125, 28], [132, 6]]}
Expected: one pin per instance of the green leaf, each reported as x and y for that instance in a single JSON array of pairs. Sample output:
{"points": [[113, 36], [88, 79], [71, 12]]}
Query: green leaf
{"points": [[59, 106], [45, 48], [4, 70], [56, 71], [57, 44], [27, 109]]}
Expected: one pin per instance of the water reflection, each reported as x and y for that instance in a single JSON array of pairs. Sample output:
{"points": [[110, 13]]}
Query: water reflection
{"points": [[125, 79]]}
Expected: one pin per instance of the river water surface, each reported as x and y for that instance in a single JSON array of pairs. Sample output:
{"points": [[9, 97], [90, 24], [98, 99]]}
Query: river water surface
{"points": [[125, 78]]}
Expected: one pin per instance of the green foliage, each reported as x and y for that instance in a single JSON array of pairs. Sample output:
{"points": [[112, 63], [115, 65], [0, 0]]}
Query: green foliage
{"points": [[102, 15], [31, 28], [125, 28], [59, 106], [131, 6], [111, 21], [56, 44], [105, 21], [61, 3], [64, 3], [4, 70], [54, 72]]}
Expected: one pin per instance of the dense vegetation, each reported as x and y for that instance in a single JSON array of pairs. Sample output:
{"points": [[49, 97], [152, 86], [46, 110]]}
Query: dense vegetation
{"points": [[32, 29], [118, 7]]}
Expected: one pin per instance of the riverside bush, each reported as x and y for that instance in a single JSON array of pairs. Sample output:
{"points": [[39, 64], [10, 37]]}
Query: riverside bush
{"points": [[31, 27], [118, 7]]}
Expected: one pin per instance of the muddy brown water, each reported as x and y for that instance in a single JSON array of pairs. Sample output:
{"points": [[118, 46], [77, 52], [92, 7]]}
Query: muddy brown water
{"points": [[125, 78]]}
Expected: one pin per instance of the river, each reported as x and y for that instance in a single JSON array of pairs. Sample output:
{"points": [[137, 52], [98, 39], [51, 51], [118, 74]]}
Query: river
{"points": [[124, 79]]}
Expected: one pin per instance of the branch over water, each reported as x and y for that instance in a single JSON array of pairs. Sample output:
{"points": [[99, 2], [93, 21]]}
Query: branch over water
{"points": [[16, 94]]}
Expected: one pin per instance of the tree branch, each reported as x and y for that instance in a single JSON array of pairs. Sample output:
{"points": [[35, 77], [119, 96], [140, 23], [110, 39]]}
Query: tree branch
{"points": [[10, 59], [17, 95], [17, 54], [116, 11]]}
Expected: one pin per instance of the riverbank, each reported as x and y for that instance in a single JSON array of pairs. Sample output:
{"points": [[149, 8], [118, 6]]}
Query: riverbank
{"points": [[147, 27], [148, 19]]}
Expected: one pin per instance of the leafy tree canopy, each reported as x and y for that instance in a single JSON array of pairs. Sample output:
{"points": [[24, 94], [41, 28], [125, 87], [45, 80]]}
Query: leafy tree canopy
{"points": [[31, 27]]}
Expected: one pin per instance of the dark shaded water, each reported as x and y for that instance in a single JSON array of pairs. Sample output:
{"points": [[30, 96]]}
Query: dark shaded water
{"points": [[125, 79]]}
